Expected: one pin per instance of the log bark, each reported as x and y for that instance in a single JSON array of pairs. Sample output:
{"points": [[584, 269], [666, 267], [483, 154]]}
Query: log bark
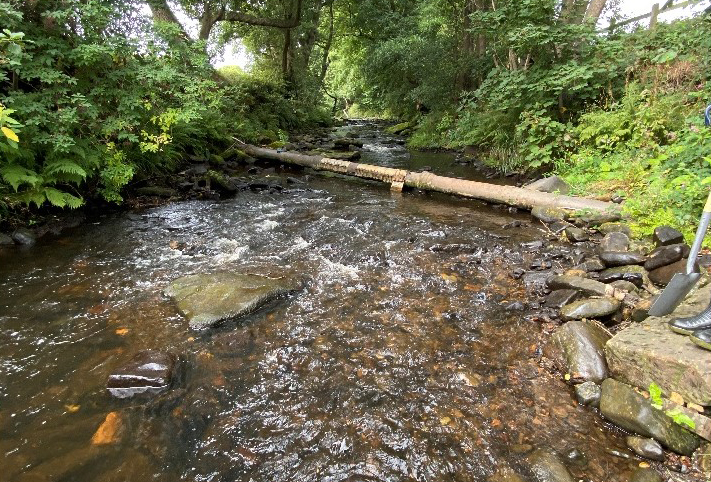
{"points": [[510, 195]]}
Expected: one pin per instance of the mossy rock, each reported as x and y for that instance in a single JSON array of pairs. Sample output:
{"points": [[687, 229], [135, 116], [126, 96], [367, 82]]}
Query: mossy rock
{"points": [[217, 160], [400, 129], [207, 300]]}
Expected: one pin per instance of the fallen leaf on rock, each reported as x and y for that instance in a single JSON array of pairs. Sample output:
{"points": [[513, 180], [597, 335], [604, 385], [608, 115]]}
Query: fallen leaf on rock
{"points": [[451, 278], [72, 408], [122, 331], [676, 398], [445, 420], [109, 431], [644, 465]]}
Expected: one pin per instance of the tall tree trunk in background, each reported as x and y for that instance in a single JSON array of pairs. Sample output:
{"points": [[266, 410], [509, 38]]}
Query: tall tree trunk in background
{"points": [[573, 11], [161, 12], [327, 47], [464, 79], [595, 8], [312, 34]]}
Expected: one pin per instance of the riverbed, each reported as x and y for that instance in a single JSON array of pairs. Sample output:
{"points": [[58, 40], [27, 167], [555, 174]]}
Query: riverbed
{"points": [[410, 352]]}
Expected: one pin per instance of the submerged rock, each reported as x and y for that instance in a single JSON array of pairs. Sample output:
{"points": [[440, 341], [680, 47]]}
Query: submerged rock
{"points": [[209, 299], [156, 191], [646, 474], [666, 235], [613, 259], [24, 237], [548, 215], [615, 241], [588, 393], [666, 255], [6, 240], [645, 447], [546, 466], [148, 372], [577, 348], [622, 405], [590, 308]]}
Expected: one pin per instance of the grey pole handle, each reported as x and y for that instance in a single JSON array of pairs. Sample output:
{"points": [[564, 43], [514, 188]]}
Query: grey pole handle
{"points": [[700, 234]]}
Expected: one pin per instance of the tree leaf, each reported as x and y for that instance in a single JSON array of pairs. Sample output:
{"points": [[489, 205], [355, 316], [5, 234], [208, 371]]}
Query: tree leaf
{"points": [[10, 134]]}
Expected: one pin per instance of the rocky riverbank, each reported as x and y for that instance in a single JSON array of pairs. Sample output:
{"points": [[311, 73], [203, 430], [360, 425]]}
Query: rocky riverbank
{"points": [[613, 354]]}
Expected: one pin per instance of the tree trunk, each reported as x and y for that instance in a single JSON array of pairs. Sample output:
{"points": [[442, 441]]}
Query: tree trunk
{"points": [[161, 12], [595, 8], [327, 47], [398, 178]]}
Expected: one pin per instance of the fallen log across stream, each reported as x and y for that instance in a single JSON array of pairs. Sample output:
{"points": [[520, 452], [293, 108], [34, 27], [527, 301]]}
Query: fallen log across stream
{"points": [[400, 178]]}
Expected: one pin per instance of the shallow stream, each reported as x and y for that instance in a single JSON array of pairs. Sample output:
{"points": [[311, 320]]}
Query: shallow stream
{"points": [[398, 360]]}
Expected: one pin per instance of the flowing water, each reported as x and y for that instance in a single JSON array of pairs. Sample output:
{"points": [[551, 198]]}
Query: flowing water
{"points": [[396, 361]]}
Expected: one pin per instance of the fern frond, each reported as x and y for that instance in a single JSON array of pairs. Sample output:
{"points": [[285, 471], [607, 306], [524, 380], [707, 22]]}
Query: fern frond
{"points": [[64, 170], [16, 176], [65, 166], [62, 199]]}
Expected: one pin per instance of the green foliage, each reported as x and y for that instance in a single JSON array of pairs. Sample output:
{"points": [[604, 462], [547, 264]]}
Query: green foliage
{"points": [[92, 93], [655, 397], [541, 139], [681, 418]]}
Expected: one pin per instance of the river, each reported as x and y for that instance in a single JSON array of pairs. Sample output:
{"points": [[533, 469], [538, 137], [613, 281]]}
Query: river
{"points": [[400, 359]]}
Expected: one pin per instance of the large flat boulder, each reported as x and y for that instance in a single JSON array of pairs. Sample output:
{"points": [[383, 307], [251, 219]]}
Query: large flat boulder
{"points": [[206, 300], [623, 406], [649, 352]]}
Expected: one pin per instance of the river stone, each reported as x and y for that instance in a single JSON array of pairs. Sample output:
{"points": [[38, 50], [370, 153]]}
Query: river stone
{"points": [[666, 255], [622, 405], [666, 235], [588, 393], [635, 274], [662, 276], [586, 286], [546, 466], [615, 242], [608, 228], [613, 259], [24, 236], [599, 218], [559, 298], [646, 474], [156, 191], [576, 235], [649, 352], [149, 371], [549, 184], [645, 447], [590, 308], [591, 265], [577, 348], [208, 299], [6, 240], [625, 285], [547, 214]]}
